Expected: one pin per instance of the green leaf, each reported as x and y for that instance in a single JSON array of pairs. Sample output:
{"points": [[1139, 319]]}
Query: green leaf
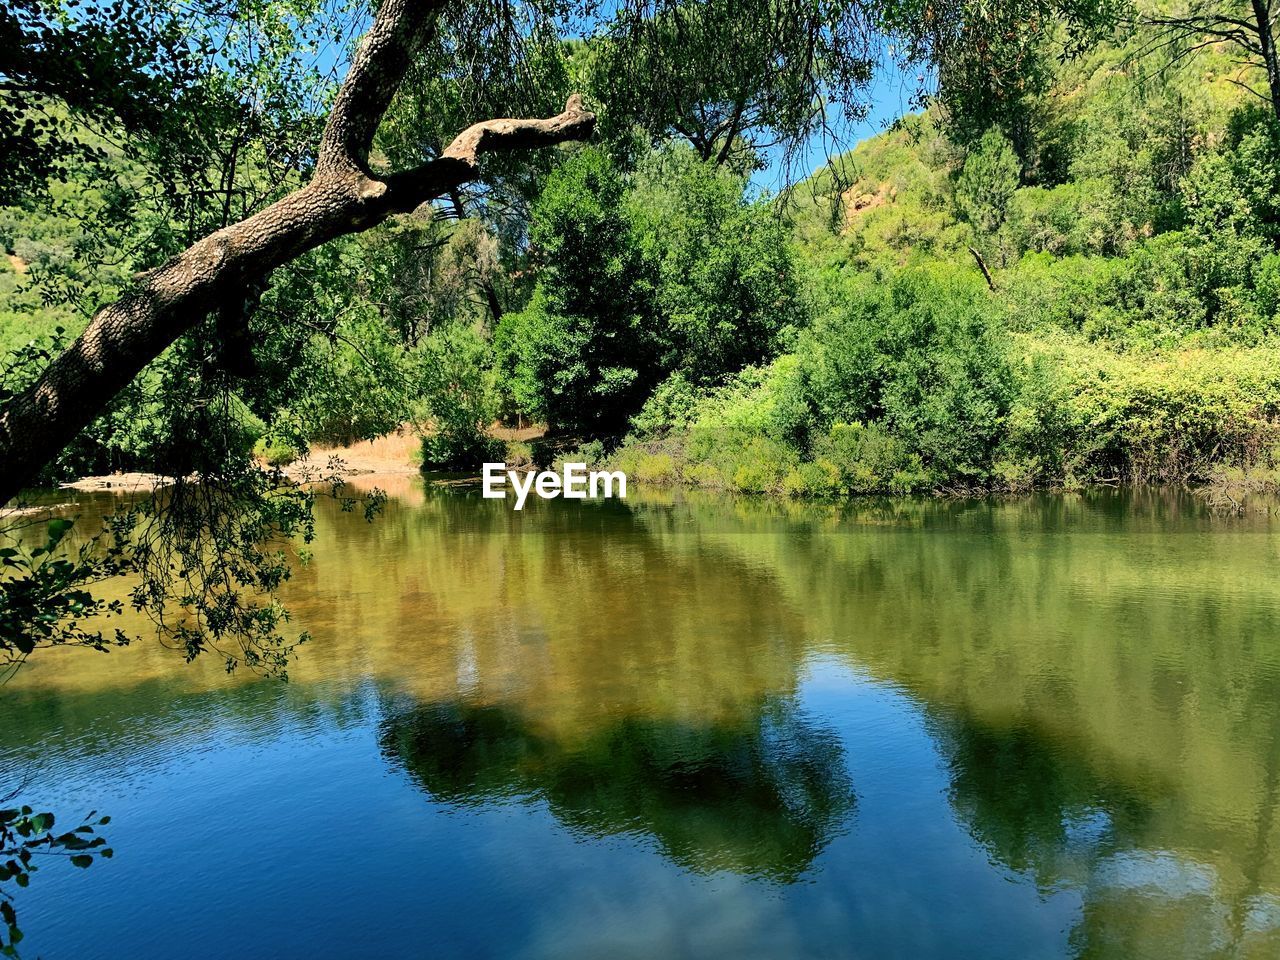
{"points": [[81, 860]]}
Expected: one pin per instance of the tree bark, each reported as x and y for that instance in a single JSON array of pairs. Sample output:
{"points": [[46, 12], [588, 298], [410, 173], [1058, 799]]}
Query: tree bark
{"points": [[343, 197], [732, 132], [1267, 46], [982, 265]]}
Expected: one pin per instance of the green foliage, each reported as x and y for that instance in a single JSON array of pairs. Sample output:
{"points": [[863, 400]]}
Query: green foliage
{"points": [[1086, 414], [926, 357], [460, 398], [769, 401], [853, 458], [45, 590], [671, 406], [584, 353], [987, 182], [276, 451], [27, 836], [728, 288], [123, 64], [727, 77]]}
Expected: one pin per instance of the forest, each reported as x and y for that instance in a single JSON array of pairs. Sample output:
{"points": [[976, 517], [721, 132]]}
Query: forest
{"points": [[1074, 282]]}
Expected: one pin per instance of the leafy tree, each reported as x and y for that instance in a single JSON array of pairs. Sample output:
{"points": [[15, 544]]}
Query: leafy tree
{"points": [[117, 65], [987, 182], [584, 353], [1248, 27], [728, 283], [924, 357], [994, 60], [342, 196], [731, 78], [460, 398]]}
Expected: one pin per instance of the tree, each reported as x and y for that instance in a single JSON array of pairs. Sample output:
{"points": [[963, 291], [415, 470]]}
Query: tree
{"points": [[1249, 27], [992, 60], [345, 195], [727, 281], [795, 60], [731, 78], [987, 182], [124, 64], [585, 351]]}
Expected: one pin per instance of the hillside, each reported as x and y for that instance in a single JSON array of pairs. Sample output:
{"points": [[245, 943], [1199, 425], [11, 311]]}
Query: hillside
{"points": [[1127, 333]]}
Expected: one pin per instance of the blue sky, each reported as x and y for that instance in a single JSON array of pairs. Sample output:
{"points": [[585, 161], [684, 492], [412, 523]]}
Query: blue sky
{"points": [[889, 97]]}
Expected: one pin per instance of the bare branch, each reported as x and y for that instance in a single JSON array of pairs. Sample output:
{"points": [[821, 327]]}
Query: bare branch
{"points": [[460, 160]]}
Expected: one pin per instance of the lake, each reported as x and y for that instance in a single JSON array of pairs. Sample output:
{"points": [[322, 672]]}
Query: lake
{"points": [[694, 726]]}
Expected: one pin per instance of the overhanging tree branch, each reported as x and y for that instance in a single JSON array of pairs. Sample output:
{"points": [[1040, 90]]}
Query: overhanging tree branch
{"points": [[343, 197]]}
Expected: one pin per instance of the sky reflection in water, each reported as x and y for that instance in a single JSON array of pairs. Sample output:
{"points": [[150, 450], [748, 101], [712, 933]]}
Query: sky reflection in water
{"points": [[687, 726]]}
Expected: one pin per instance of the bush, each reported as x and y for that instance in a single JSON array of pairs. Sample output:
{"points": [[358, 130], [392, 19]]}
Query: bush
{"points": [[672, 406], [459, 397], [1154, 417], [987, 182], [656, 468], [727, 278], [868, 459], [768, 401], [276, 452], [925, 359], [761, 465], [460, 451]]}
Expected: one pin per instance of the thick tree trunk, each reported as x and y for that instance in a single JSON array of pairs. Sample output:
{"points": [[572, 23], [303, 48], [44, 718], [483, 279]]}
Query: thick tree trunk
{"points": [[343, 197]]}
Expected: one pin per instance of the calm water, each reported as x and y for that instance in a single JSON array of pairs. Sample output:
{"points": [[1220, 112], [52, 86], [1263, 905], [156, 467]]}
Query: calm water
{"points": [[696, 728]]}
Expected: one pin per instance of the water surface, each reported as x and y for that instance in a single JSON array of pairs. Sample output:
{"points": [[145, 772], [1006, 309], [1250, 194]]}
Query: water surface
{"points": [[695, 727]]}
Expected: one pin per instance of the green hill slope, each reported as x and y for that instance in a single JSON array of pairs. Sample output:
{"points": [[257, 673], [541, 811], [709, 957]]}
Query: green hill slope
{"points": [[1090, 297]]}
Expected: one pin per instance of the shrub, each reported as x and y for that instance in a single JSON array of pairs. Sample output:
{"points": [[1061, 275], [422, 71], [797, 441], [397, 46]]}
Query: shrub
{"points": [[656, 468], [727, 277], [988, 181], [672, 406], [1152, 417], [705, 475], [761, 465], [275, 452], [459, 397], [815, 480], [868, 459], [460, 450], [926, 359]]}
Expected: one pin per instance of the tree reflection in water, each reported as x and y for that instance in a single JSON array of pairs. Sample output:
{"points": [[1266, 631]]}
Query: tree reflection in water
{"points": [[761, 800]]}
